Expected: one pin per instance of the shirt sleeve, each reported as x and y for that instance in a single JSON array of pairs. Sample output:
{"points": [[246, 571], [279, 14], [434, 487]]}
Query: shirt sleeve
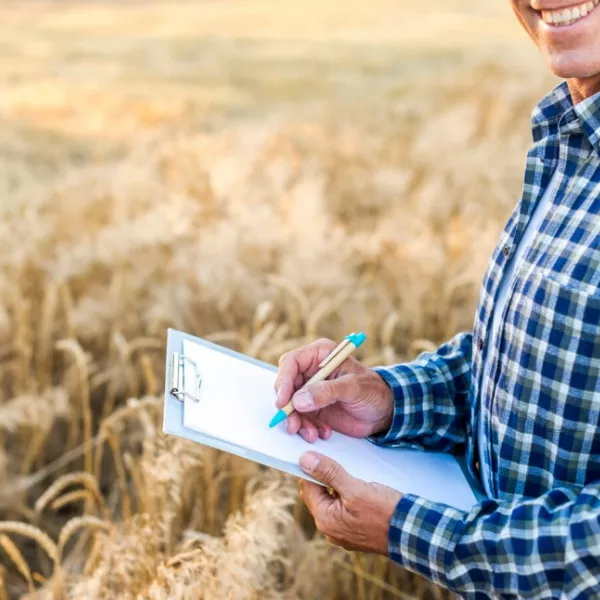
{"points": [[547, 547], [431, 398]]}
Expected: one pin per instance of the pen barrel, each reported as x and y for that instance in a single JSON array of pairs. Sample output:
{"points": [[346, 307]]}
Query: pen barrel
{"points": [[330, 367], [288, 409], [324, 373]]}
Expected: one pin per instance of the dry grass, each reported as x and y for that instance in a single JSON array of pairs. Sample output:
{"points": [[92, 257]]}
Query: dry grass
{"points": [[253, 171]]}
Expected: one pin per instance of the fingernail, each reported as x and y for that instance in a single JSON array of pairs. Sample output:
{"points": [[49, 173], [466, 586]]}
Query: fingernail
{"points": [[309, 461], [303, 433], [322, 433], [278, 397], [303, 400]]}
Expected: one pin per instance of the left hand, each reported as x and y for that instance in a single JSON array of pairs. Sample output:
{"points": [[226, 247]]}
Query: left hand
{"points": [[359, 517]]}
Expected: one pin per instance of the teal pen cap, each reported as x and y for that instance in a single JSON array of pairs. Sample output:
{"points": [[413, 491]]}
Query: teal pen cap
{"points": [[356, 339]]}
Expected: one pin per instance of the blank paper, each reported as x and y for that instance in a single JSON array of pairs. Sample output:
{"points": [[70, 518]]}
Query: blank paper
{"points": [[237, 402]]}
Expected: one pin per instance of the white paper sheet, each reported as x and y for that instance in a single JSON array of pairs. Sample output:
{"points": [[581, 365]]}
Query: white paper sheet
{"points": [[237, 402]]}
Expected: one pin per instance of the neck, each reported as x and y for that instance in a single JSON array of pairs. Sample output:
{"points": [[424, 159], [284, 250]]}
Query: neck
{"points": [[582, 88]]}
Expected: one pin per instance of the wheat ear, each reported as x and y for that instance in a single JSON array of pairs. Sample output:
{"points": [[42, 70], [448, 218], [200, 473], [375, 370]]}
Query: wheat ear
{"points": [[88, 481], [33, 533]]}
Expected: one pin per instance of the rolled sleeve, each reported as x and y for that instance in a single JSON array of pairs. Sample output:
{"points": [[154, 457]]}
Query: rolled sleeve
{"points": [[421, 537]]}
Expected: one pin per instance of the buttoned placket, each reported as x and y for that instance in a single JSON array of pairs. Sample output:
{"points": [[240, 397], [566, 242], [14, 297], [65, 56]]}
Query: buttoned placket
{"points": [[568, 127], [527, 206]]}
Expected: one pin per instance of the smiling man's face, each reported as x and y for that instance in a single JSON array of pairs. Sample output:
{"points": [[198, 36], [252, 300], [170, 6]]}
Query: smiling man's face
{"points": [[567, 33]]}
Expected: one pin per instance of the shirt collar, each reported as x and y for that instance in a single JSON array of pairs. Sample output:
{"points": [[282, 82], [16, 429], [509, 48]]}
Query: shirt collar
{"points": [[557, 111], [551, 108], [588, 113]]}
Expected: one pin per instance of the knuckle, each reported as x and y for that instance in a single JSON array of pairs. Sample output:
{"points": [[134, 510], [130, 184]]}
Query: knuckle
{"points": [[329, 388], [325, 343], [283, 358], [351, 499], [355, 386], [330, 473]]}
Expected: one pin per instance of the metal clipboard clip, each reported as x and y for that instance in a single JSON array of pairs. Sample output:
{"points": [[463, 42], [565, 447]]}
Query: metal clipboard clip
{"points": [[177, 378]]}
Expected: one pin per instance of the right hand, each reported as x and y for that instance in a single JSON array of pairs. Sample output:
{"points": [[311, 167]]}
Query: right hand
{"points": [[353, 400]]}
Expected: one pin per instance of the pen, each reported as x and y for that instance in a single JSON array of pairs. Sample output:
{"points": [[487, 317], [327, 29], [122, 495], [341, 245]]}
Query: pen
{"points": [[326, 367]]}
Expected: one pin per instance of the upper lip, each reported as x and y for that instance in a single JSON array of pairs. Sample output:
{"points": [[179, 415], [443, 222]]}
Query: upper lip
{"points": [[554, 6]]}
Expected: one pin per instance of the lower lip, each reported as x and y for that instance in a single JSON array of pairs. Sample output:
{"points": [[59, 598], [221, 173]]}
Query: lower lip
{"points": [[558, 29]]}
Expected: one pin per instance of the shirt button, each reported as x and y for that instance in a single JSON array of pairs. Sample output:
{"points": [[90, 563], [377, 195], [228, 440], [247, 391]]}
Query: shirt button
{"points": [[506, 251], [480, 344], [469, 430]]}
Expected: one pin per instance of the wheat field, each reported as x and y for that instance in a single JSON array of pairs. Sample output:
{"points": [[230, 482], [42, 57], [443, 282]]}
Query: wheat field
{"points": [[257, 172]]}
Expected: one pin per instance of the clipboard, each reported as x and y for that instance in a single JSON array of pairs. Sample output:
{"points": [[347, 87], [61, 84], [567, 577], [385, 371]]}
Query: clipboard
{"points": [[180, 371], [183, 386]]}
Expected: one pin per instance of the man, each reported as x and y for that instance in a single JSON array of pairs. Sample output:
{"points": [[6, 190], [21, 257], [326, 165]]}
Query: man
{"points": [[522, 391]]}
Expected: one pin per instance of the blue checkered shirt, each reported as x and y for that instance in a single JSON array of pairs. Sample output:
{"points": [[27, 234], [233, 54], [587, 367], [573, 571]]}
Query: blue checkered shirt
{"points": [[539, 534]]}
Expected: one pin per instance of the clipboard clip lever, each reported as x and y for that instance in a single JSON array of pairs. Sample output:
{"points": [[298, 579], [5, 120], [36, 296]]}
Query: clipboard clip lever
{"points": [[178, 378]]}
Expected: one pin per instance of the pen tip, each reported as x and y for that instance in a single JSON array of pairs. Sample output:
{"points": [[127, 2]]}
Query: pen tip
{"points": [[278, 418]]}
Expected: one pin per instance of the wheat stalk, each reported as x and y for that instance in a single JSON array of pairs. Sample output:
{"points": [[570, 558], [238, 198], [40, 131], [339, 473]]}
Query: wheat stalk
{"points": [[260, 339], [33, 533], [73, 348], [77, 523], [151, 385], [71, 497], [3, 594], [45, 334], [152, 224], [17, 558], [89, 483], [115, 444]]}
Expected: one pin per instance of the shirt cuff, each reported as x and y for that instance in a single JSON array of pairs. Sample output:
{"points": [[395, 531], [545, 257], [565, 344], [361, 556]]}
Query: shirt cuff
{"points": [[401, 380], [422, 537]]}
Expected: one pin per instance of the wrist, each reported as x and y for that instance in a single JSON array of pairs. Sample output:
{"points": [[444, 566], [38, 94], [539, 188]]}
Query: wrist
{"points": [[386, 395], [393, 498]]}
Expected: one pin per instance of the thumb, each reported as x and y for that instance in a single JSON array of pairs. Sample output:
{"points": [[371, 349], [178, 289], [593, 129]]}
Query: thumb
{"points": [[327, 471], [319, 395]]}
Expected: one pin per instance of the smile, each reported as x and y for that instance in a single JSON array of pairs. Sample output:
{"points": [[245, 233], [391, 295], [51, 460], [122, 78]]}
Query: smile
{"points": [[567, 16]]}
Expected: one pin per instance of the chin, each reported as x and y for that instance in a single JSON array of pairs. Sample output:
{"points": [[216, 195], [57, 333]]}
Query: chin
{"points": [[573, 65]]}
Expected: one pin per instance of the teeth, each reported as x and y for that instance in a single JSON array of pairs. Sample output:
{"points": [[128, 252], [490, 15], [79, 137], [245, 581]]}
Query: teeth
{"points": [[568, 16]]}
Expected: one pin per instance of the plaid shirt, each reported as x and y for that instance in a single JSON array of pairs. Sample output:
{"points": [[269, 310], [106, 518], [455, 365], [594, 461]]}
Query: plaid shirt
{"points": [[539, 535]]}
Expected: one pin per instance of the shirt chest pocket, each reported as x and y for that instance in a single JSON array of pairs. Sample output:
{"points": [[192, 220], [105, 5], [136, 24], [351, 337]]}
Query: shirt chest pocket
{"points": [[552, 371]]}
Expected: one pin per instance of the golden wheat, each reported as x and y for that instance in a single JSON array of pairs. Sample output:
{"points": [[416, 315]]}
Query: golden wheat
{"points": [[259, 173]]}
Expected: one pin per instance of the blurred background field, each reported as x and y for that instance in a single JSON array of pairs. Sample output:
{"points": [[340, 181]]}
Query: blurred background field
{"points": [[258, 172]]}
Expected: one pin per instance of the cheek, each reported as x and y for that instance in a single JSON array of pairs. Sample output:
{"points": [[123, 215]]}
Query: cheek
{"points": [[526, 17]]}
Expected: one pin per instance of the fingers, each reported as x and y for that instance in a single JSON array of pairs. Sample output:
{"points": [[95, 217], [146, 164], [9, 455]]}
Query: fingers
{"points": [[323, 430], [299, 363], [319, 395], [308, 427], [308, 431], [294, 423], [327, 471], [316, 497]]}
